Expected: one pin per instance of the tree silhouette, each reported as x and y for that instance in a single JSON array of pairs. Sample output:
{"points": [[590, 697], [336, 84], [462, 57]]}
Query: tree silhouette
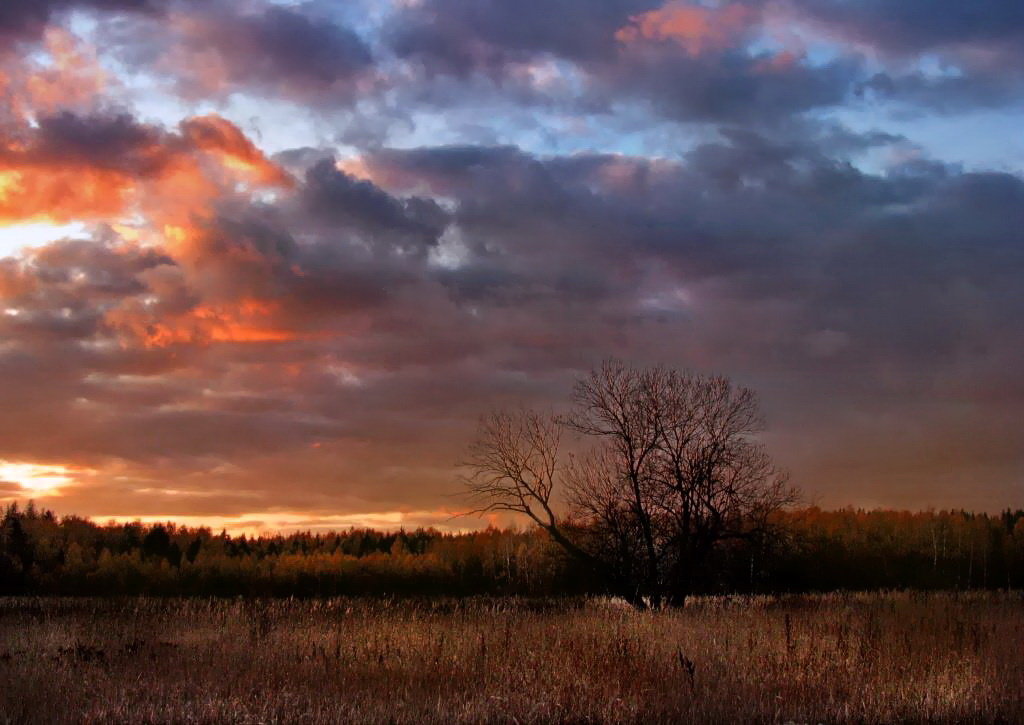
{"points": [[672, 472], [156, 543]]}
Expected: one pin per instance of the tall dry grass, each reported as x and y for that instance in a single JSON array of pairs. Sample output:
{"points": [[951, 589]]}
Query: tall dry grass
{"points": [[836, 658]]}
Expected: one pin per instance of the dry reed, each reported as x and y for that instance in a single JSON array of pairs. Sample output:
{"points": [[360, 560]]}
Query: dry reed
{"points": [[834, 658]]}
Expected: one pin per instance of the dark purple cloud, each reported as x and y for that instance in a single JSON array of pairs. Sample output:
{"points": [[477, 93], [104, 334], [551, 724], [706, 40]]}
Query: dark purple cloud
{"points": [[979, 47], [26, 19], [117, 142], [218, 48], [693, 62], [459, 38], [916, 26], [687, 62], [339, 199], [734, 87], [280, 49], [683, 61]]}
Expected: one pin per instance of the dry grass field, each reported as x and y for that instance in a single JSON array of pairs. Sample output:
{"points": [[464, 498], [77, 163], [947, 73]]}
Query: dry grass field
{"points": [[836, 658]]}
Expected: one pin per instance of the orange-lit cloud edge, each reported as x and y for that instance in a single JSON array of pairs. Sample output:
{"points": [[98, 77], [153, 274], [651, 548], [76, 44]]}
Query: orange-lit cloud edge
{"points": [[171, 181], [163, 202]]}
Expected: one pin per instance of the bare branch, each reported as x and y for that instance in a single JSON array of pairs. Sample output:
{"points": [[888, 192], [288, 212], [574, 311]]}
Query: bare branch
{"points": [[675, 469]]}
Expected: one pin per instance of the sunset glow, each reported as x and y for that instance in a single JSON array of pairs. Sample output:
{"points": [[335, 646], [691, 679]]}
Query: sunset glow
{"points": [[255, 524], [35, 479], [259, 259]]}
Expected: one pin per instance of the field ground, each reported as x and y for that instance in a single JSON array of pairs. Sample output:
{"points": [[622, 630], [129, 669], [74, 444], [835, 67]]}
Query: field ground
{"points": [[834, 658]]}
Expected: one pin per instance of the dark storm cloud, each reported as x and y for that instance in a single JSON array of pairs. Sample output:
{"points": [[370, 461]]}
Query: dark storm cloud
{"points": [[455, 37], [26, 19], [731, 87], [914, 26], [299, 48], [737, 188], [693, 62], [62, 293], [214, 49], [337, 271], [682, 60], [951, 94], [979, 45], [687, 61], [283, 46], [100, 140], [338, 198], [773, 261]]}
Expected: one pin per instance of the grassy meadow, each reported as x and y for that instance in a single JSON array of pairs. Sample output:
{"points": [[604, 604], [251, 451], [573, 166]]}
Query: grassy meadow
{"points": [[903, 657]]}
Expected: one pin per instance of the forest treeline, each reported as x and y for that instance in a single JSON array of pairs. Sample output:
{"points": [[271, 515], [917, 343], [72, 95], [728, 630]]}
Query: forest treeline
{"points": [[41, 553]]}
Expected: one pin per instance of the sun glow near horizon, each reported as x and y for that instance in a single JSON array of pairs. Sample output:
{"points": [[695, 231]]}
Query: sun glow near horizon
{"points": [[284, 522], [37, 479]]}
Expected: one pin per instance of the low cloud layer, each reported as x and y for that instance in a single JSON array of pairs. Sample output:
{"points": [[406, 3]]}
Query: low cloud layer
{"points": [[310, 328]]}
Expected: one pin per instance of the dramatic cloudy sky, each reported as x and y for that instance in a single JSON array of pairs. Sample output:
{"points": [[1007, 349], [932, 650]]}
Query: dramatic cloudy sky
{"points": [[265, 263]]}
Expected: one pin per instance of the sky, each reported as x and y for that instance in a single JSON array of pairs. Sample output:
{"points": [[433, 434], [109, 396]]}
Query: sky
{"points": [[265, 264]]}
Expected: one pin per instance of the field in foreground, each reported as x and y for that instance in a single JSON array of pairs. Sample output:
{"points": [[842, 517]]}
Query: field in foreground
{"points": [[834, 658]]}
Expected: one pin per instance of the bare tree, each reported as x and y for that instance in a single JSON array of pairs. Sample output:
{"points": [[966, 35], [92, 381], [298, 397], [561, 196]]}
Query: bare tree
{"points": [[674, 470]]}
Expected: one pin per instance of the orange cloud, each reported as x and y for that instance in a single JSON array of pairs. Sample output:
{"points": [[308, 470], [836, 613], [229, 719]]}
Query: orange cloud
{"points": [[162, 189], [72, 78], [248, 320], [61, 162], [221, 138], [167, 178], [60, 195], [65, 75], [697, 29], [194, 57]]}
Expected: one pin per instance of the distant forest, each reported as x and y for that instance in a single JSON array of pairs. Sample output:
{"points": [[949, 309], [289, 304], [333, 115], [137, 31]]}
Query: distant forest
{"points": [[41, 553]]}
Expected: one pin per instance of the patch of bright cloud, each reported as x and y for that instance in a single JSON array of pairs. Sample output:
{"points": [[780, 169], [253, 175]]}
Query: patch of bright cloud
{"points": [[16, 237], [695, 28], [36, 479]]}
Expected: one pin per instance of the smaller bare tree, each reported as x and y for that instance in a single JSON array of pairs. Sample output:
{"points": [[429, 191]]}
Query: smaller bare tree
{"points": [[674, 471], [515, 466]]}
